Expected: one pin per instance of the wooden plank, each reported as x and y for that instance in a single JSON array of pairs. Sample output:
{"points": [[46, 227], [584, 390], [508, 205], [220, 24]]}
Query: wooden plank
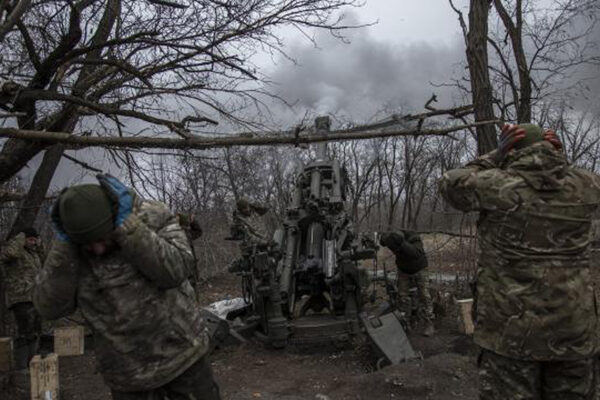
{"points": [[466, 316], [44, 377], [69, 341], [6, 354]]}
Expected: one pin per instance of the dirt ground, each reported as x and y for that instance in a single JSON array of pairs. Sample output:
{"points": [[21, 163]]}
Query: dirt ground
{"points": [[251, 371]]}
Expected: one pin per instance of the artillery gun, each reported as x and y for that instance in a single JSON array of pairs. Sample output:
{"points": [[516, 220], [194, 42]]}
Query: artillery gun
{"points": [[307, 285]]}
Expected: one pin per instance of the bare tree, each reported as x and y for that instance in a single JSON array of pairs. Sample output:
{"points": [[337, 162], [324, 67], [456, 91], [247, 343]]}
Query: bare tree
{"points": [[125, 65], [538, 49], [475, 36], [10, 14]]}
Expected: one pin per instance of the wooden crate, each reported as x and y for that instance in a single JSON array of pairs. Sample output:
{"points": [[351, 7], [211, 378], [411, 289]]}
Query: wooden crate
{"points": [[465, 316], [69, 341], [44, 377], [6, 354]]}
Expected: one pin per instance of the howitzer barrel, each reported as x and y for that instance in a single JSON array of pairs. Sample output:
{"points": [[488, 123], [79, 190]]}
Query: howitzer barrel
{"points": [[315, 184], [322, 125], [337, 187], [314, 242]]}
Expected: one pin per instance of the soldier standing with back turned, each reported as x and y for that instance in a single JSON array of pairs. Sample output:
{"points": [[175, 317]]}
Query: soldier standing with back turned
{"points": [[536, 310]]}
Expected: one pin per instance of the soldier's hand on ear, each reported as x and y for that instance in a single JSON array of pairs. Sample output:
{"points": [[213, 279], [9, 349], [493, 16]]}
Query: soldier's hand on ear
{"points": [[552, 137], [509, 136], [120, 194]]}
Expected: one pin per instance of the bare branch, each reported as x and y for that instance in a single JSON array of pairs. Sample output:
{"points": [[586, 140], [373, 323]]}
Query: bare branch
{"points": [[167, 4], [70, 141]]}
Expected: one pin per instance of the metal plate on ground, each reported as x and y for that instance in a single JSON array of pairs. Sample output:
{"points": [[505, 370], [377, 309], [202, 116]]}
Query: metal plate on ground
{"points": [[388, 337], [320, 328]]}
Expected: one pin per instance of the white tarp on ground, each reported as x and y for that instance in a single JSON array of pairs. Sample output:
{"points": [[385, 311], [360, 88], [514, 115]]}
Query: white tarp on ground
{"points": [[223, 307]]}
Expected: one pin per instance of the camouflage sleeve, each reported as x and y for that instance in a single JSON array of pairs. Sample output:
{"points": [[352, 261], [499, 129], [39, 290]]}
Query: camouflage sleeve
{"points": [[162, 254], [55, 291], [461, 186], [14, 248]]}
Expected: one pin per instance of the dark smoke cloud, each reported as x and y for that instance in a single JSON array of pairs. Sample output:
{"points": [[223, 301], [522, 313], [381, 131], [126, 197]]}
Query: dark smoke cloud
{"points": [[360, 78]]}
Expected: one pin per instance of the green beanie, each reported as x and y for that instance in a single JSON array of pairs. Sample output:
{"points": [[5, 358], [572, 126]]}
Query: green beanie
{"points": [[184, 219], [243, 205], [86, 213], [533, 134]]}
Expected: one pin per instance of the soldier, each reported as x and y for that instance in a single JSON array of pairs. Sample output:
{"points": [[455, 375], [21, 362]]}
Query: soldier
{"points": [[125, 265], [250, 217], [20, 261], [190, 226], [249, 226], [411, 262], [536, 317], [192, 231]]}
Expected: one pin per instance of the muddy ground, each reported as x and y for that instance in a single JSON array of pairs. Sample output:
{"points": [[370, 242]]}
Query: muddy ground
{"points": [[446, 371]]}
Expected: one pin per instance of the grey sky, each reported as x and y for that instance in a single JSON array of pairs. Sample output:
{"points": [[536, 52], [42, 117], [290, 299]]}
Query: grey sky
{"points": [[393, 64]]}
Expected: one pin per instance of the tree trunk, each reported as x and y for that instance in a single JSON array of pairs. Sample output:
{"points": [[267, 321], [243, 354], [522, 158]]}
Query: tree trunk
{"points": [[37, 191], [481, 87], [515, 32], [15, 155]]}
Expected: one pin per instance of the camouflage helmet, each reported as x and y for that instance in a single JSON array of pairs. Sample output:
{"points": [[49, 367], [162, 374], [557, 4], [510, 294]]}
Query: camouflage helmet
{"points": [[533, 134]]}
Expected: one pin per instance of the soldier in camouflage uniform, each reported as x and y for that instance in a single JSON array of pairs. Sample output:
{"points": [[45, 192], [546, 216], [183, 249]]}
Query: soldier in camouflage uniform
{"points": [[537, 316], [125, 265], [411, 261], [20, 261], [250, 217], [192, 231], [190, 226], [249, 226]]}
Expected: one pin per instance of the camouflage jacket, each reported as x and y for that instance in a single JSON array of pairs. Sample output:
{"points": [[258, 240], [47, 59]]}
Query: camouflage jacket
{"points": [[136, 299], [254, 227], [535, 296], [19, 266]]}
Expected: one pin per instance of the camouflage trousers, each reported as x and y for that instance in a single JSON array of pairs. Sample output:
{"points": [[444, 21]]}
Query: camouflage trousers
{"points": [[196, 383], [502, 378], [420, 281]]}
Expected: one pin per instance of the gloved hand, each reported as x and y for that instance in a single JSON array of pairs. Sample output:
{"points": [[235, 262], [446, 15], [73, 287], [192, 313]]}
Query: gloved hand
{"points": [[550, 136], [57, 226], [118, 193], [509, 136]]}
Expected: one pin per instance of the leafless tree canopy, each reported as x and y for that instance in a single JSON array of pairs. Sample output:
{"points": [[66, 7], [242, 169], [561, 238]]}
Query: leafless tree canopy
{"points": [[125, 64]]}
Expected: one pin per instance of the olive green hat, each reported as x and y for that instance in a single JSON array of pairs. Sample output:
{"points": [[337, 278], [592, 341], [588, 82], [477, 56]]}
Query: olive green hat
{"points": [[86, 213], [533, 134], [242, 203]]}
